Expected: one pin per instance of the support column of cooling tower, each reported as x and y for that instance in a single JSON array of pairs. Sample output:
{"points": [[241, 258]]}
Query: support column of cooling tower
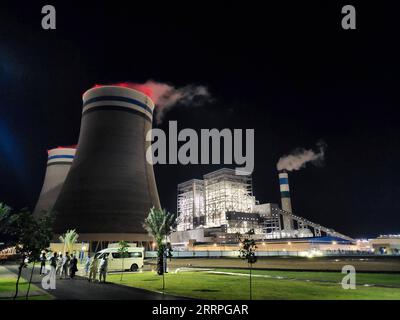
{"points": [[285, 199], [58, 164], [111, 187]]}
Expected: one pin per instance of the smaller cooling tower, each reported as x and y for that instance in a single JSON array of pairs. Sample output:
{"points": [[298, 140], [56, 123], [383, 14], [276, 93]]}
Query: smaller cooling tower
{"points": [[285, 199], [58, 164]]}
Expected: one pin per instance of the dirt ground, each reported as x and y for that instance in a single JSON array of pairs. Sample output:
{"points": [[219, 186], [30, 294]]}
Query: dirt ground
{"points": [[370, 264]]}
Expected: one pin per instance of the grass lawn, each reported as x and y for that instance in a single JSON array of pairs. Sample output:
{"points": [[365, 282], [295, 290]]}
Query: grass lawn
{"points": [[383, 279], [293, 286], [7, 290]]}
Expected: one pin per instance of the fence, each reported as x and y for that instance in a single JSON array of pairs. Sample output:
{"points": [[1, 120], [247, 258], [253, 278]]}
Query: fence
{"points": [[235, 254]]}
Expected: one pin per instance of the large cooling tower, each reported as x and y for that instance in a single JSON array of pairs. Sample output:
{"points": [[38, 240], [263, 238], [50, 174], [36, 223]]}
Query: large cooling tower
{"points": [[285, 199], [58, 164], [110, 187]]}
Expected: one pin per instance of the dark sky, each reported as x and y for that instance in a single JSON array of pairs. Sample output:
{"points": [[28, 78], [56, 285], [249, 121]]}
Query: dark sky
{"points": [[290, 72]]}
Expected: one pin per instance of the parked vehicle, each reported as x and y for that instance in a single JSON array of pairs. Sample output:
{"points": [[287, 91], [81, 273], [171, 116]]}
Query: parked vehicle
{"points": [[133, 261]]}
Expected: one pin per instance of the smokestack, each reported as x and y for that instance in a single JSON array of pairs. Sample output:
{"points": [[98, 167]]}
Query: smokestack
{"points": [[110, 187], [285, 199], [285, 192], [58, 164]]}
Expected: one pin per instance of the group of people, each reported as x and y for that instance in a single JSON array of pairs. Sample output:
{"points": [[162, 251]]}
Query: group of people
{"points": [[67, 265], [63, 265], [94, 266]]}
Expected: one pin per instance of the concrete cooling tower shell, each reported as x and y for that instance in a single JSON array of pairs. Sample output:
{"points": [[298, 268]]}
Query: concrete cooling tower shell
{"points": [[110, 187], [58, 164]]}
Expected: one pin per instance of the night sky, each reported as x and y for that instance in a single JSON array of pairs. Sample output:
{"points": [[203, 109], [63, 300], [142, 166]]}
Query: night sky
{"points": [[290, 72]]}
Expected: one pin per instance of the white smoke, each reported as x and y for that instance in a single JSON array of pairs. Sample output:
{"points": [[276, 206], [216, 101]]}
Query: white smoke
{"points": [[299, 157], [166, 96]]}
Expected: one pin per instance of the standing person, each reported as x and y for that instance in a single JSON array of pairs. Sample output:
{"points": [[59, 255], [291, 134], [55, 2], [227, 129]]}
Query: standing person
{"points": [[87, 265], [54, 260], [68, 261], [53, 265], [103, 267], [165, 256], [93, 269], [65, 265], [169, 247], [73, 267], [59, 264], [42, 263]]}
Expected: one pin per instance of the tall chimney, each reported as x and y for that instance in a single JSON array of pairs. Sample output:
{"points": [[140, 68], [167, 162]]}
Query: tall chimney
{"points": [[285, 199], [110, 187]]}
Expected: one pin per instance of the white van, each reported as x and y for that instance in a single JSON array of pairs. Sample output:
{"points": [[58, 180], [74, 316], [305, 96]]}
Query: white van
{"points": [[134, 259]]}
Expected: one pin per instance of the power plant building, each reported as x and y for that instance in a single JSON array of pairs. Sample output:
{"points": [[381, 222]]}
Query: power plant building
{"points": [[221, 205], [191, 205], [204, 203], [225, 191]]}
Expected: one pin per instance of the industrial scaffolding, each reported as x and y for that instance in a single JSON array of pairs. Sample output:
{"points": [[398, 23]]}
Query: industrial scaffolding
{"points": [[239, 222], [225, 191], [272, 226], [190, 205]]}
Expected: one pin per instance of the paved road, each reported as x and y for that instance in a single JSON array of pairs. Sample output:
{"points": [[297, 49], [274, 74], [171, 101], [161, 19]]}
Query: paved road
{"points": [[80, 289]]}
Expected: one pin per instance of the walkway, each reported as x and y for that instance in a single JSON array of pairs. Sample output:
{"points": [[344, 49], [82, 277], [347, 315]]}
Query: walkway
{"points": [[80, 289]]}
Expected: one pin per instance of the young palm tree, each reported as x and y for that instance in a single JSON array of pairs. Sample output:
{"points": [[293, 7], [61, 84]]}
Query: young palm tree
{"points": [[69, 239], [158, 224], [123, 251], [247, 251]]}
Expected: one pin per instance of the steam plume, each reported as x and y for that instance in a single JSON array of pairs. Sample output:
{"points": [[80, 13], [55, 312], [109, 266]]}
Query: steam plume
{"points": [[166, 96], [299, 157]]}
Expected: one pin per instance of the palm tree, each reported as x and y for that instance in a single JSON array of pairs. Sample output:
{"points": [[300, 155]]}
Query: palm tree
{"points": [[159, 225], [4, 209], [69, 239]]}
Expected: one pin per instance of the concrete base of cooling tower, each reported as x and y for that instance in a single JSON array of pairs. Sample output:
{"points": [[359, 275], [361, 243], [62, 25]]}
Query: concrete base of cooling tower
{"points": [[112, 237], [94, 242]]}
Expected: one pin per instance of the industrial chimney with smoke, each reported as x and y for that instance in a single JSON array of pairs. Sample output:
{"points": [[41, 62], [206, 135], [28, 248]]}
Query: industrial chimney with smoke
{"points": [[285, 199], [110, 187], [58, 164]]}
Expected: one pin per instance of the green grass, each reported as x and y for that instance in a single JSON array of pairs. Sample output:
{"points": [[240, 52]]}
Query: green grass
{"points": [[8, 284], [384, 279], [231, 287], [7, 289]]}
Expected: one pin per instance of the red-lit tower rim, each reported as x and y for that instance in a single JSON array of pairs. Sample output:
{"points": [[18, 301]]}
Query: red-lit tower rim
{"points": [[73, 146], [135, 86]]}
